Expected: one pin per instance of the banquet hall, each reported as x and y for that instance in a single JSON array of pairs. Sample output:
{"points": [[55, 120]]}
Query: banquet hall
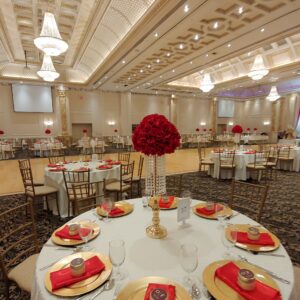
{"points": [[149, 149]]}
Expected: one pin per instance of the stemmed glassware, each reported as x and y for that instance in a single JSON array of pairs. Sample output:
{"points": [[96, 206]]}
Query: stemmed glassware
{"points": [[222, 215], [85, 233], [189, 261], [117, 256], [107, 205], [229, 244]]}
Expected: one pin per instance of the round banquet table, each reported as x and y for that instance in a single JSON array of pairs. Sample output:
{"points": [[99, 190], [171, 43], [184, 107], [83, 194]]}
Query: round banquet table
{"points": [[56, 179], [151, 257]]}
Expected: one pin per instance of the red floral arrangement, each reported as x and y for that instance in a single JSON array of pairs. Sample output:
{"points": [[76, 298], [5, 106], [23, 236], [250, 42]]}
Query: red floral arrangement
{"points": [[155, 135], [255, 129], [248, 129], [47, 131], [197, 129], [237, 129], [204, 129], [116, 130], [1, 132], [84, 130], [210, 129]]}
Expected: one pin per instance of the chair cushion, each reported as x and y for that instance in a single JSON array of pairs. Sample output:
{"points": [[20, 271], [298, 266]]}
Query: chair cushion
{"points": [[226, 166], [115, 186], [271, 164], [256, 167], [206, 162], [23, 273], [43, 190], [38, 182]]}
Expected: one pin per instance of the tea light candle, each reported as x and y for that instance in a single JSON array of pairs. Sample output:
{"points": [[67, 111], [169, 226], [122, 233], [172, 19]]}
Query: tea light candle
{"points": [[246, 279], [158, 294], [210, 205], [73, 229], [77, 266], [253, 233]]}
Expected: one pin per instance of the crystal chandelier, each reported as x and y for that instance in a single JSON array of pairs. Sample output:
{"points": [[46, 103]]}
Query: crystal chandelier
{"points": [[48, 72], [273, 95], [50, 41], [258, 70], [206, 85]]}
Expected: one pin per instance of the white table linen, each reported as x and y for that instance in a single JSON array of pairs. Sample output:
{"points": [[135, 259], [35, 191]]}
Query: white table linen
{"points": [[56, 179], [146, 256]]}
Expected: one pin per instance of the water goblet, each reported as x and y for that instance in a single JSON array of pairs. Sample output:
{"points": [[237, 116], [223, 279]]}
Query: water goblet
{"points": [[107, 205], [189, 261], [145, 201], [221, 216], [117, 256], [85, 232], [229, 244]]}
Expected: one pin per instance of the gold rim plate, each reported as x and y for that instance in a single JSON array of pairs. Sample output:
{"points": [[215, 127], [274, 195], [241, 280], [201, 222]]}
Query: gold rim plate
{"points": [[259, 248], [127, 207], [173, 206], [221, 290], [136, 290], [68, 242], [228, 211], [83, 286]]}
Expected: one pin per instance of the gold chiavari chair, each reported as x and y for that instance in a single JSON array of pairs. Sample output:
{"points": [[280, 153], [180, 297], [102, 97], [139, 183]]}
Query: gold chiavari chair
{"points": [[18, 247], [226, 162], [74, 178], [260, 163], [56, 159], [124, 157], [285, 156], [203, 161], [25, 164], [124, 184], [87, 196], [248, 198]]}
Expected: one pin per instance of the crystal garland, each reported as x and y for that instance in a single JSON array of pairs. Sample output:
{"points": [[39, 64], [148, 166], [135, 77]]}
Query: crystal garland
{"points": [[155, 175]]}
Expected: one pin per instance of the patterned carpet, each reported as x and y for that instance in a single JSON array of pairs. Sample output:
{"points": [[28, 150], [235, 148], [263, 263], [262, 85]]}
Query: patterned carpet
{"points": [[281, 214]]}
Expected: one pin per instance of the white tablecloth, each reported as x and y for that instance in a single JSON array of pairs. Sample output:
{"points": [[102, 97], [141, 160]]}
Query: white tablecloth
{"points": [[56, 179], [241, 160], [146, 256]]}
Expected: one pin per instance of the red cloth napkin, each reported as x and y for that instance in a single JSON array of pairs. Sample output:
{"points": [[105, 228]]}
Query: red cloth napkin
{"points": [[82, 169], [114, 162], [57, 169], [249, 152], [116, 211], [108, 160], [104, 167], [229, 274], [205, 211], [168, 288], [64, 233], [52, 165], [63, 277], [167, 204], [264, 239]]}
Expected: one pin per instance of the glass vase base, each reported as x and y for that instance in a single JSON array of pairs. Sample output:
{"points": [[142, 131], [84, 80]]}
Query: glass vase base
{"points": [[156, 231]]}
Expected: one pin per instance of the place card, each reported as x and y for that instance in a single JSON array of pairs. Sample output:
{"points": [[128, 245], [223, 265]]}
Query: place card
{"points": [[183, 209]]}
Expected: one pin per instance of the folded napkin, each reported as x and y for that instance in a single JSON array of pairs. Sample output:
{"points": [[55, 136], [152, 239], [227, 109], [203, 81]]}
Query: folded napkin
{"points": [[168, 288], [249, 152], [114, 162], [205, 211], [264, 239], [82, 169], [64, 278], [52, 165], [64, 233], [229, 274], [116, 211], [108, 160], [166, 204], [104, 167], [57, 169]]}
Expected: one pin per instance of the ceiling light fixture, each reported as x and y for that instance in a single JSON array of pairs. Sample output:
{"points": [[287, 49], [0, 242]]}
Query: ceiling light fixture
{"points": [[262, 30], [158, 60], [168, 54], [48, 72], [241, 10], [186, 8], [50, 41], [196, 37], [228, 45], [273, 95], [216, 25], [181, 46], [258, 70], [206, 84], [156, 34]]}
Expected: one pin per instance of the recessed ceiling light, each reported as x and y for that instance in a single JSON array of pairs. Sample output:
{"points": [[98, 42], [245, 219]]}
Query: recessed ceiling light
{"points": [[149, 66], [156, 92], [191, 62], [123, 61], [160, 76], [186, 8], [181, 46], [220, 65], [173, 71], [168, 54], [216, 25], [129, 78], [206, 55], [173, 96], [241, 10], [134, 75], [262, 30], [249, 53], [158, 60], [196, 37], [228, 45], [156, 34], [141, 70]]}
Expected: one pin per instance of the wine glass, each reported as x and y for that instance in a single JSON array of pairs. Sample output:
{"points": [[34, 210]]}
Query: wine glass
{"points": [[189, 260], [229, 244], [221, 216], [117, 256], [85, 232], [107, 205]]}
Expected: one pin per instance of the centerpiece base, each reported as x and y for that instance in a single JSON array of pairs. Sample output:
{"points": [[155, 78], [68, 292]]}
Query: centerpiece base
{"points": [[156, 231]]}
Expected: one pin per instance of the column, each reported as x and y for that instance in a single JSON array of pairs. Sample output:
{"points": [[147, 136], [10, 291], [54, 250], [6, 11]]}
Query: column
{"points": [[213, 114], [282, 114], [125, 114]]}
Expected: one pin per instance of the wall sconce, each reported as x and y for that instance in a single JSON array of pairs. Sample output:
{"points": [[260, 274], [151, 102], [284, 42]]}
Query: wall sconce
{"points": [[48, 122], [202, 123], [111, 123], [230, 123], [267, 123]]}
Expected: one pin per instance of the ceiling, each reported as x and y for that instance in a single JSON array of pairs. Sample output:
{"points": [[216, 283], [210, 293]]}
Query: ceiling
{"points": [[155, 46]]}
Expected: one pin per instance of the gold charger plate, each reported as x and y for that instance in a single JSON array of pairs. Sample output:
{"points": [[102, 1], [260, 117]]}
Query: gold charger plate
{"points": [[221, 290], [83, 286], [127, 207], [259, 248], [136, 290], [69, 242], [227, 211], [173, 206]]}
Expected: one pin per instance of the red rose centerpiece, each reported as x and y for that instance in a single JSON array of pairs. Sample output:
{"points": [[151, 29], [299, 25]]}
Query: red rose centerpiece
{"points": [[197, 129], [255, 130], [155, 136], [237, 130], [1, 132], [48, 131], [84, 130]]}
